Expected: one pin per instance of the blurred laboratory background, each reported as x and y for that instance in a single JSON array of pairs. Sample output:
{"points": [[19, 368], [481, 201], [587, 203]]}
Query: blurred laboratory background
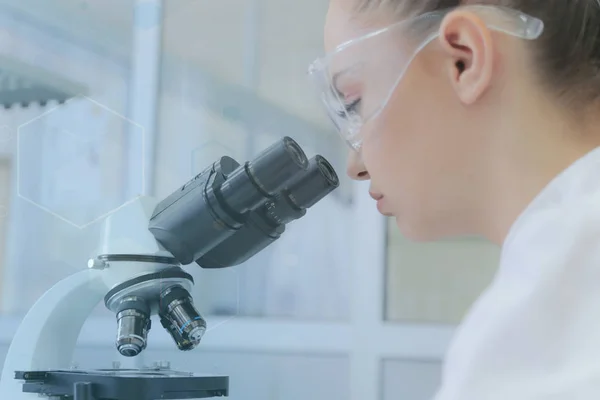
{"points": [[105, 100]]}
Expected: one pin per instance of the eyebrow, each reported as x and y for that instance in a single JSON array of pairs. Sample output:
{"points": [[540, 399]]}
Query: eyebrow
{"points": [[340, 74], [335, 78]]}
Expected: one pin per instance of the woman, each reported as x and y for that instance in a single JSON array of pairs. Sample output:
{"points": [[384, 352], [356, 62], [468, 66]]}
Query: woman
{"points": [[484, 119]]}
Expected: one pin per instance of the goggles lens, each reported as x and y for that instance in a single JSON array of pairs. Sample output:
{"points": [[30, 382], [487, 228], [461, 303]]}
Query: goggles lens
{"points": [[357, 79]]}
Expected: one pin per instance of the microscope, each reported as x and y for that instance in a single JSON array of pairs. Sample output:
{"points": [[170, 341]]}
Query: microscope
{"points": [[220, 218]]}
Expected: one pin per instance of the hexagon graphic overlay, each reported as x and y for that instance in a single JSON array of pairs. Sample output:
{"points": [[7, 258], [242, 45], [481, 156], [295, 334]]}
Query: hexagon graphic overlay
{"points": [[228, 305], [80, 161]]}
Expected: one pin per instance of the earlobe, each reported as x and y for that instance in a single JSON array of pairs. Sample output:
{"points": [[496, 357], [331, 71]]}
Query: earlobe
{"points": [[468, 45]]}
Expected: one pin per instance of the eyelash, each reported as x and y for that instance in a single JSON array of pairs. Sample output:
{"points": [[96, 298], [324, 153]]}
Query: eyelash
{"points": [[350, 108]]}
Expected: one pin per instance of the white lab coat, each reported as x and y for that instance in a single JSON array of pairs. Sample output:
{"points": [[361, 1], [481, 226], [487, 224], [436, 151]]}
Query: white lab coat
{"points": [[534, 334]]}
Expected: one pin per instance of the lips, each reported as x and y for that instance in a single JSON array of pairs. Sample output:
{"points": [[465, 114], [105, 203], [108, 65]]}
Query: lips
{"points": [[380, 206]]}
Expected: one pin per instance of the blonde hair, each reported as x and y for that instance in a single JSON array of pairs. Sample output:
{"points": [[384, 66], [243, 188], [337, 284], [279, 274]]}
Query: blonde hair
{"points": [[567, 54]]}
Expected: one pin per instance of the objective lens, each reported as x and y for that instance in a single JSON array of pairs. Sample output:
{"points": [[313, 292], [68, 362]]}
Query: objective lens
{"points": [[180, 318], [133, 324]]}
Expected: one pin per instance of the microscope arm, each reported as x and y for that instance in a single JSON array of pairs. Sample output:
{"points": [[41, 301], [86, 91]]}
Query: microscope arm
{"points": [[47, 336]]}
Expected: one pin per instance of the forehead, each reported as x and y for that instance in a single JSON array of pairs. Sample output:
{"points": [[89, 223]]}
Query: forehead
{"points": [[343, 24]]}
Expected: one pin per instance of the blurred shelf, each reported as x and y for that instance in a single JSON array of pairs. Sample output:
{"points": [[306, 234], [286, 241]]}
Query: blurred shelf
{"points": [[401, 341], [22, 84], [239, 334]]}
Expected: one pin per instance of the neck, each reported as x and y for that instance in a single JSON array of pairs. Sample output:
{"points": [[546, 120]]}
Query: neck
{"points": [[534, 150]]}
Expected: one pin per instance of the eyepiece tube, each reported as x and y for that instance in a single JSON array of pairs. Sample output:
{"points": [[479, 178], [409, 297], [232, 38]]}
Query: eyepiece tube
{"points": [[313, 185], [308, 188], [277, 165], [250, 185]]}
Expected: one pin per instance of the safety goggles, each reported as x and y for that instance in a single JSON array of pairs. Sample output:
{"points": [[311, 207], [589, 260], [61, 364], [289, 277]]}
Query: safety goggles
{"points": [[357, 79]]}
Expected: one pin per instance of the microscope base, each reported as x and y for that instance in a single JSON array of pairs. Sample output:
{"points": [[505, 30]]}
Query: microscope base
{"points": [[122, 384]]}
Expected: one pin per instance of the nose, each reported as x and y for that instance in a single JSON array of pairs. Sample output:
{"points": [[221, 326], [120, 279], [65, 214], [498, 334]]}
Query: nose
{"points": [[356, 168]]}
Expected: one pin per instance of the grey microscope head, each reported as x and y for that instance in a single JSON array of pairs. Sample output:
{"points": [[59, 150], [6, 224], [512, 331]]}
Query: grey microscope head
{"points": [[220, 218]]}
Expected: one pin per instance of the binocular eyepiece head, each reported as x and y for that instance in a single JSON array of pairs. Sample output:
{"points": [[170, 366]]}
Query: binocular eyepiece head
{"points": [[231, 211]]}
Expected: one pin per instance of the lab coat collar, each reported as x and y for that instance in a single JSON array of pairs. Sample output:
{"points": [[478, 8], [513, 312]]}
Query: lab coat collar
{"points": [[572, 181]]}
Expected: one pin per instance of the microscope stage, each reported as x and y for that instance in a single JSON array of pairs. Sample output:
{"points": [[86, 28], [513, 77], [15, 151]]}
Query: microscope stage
{"points": [[123, 384]]}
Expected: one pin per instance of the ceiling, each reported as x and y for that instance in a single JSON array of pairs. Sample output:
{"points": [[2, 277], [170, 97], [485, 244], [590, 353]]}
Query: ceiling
{"points": [[265, 44]]}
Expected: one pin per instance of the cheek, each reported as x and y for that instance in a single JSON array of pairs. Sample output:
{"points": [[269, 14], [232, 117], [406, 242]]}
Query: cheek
{"points": [[384, 156], [420, 115], [405, 147]]}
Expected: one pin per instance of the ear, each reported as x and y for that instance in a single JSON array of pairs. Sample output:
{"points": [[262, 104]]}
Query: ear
{"points": [[469, 45]]}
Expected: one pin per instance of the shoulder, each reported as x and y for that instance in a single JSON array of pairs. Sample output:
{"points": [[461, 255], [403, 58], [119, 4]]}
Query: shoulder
{"points": [[535, 333], [552, 237]]}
